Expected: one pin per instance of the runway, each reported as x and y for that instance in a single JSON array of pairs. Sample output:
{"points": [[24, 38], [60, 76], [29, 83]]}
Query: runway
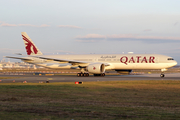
{"points": [[71, 78]]}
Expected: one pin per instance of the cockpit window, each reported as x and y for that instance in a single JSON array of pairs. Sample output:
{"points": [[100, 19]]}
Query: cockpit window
{"points": [[170, 59]]}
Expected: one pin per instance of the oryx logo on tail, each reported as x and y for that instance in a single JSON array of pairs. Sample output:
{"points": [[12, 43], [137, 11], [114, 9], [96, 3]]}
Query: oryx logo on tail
{"points": [[31, 48], [29, 45]]}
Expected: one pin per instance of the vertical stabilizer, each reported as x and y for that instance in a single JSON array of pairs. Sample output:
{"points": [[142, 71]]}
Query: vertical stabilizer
{"points": [[31, 48]]}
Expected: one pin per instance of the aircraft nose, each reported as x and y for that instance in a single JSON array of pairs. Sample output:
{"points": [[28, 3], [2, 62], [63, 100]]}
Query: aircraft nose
{"points": [[175, 63]]}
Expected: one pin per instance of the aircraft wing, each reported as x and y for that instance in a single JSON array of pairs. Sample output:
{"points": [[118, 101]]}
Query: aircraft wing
{"points": [[61, 60], [21, 58], [73, 62]]}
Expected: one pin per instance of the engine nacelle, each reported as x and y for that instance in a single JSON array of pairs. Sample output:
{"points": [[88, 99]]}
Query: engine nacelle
{"points": [[96, 68]]}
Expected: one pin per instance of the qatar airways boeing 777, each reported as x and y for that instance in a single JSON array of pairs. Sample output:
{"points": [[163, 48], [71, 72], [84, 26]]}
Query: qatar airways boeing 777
{"points": [[96, 64]]}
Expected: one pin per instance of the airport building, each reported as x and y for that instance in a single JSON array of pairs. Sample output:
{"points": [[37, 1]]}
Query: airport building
{"points": [[16, 65]]}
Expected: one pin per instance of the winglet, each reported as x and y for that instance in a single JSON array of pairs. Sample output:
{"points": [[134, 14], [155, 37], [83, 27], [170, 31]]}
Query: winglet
{"points": [[31, 48]]}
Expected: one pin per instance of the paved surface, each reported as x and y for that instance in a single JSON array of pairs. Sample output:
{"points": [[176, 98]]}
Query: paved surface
{"points": [[71, 78]]}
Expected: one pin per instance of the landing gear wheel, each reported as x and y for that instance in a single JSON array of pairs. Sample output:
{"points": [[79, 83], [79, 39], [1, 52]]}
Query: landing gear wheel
{"points": [[103, 74], [82, 74], [79, 74], [162, 75], [87, 74]]}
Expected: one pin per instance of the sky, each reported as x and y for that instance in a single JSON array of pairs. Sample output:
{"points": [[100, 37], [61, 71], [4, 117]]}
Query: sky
{"points": [[91, 26]]}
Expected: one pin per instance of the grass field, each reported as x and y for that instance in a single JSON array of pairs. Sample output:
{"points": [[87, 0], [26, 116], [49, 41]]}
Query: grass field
{"points": [[139, 100]]}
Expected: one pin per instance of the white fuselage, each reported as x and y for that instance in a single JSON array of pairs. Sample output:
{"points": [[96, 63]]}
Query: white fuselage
{"points": [[118, 61]]}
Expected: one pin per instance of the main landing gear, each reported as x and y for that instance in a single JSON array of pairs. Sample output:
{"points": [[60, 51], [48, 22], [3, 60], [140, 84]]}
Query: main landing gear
{"points": [[87, 74], [83, 74]]}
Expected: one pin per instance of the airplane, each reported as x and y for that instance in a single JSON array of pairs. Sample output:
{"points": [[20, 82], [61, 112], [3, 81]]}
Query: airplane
{"points": [[96, 64]]}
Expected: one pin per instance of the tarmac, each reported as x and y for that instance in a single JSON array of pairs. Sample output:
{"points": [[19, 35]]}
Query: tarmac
{"points": [[73, 78]]}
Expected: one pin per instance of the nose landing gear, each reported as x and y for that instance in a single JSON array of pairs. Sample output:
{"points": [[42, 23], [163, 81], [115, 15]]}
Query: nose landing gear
{"points": [[162, 73]]}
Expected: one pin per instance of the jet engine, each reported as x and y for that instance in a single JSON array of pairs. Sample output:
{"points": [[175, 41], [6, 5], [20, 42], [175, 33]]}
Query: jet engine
{"points": [[96, 68]]}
